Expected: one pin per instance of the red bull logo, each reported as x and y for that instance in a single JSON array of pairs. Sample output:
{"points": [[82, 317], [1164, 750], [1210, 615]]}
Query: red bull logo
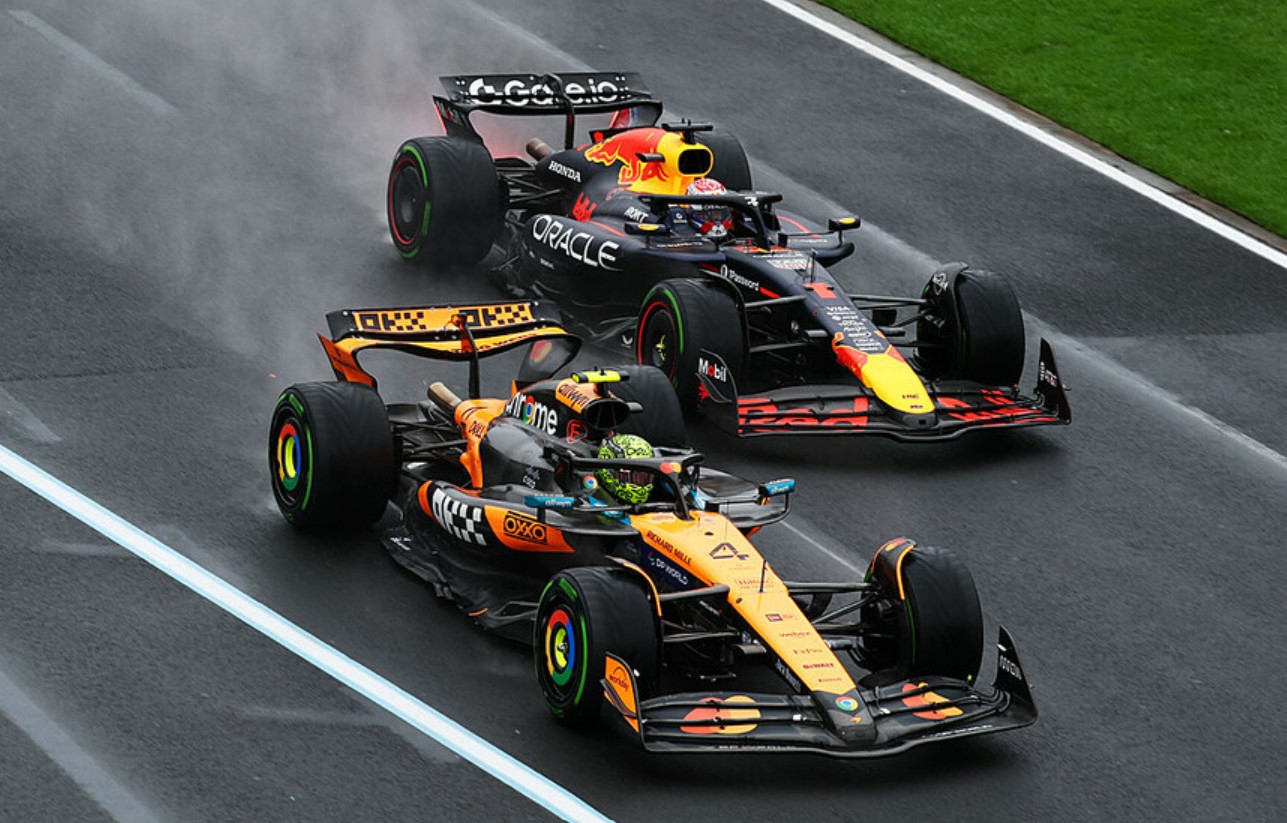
{"points": [[625, 149]]}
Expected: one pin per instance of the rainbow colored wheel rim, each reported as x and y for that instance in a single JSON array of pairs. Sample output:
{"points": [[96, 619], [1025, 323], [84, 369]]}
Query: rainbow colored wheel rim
{"points": [[560, 648]]}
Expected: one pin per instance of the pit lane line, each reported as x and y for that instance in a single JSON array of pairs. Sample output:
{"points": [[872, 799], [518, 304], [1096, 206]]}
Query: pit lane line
{"points": [[810, 17], [469, 746]]}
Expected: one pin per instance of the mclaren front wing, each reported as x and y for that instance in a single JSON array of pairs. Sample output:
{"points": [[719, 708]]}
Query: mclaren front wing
{"points": [[874, 722]]}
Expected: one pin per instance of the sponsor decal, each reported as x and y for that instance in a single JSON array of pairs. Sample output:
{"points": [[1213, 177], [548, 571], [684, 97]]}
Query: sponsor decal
{"points": [[523, 527], [573, 396], [786, 674], [939, 282], [668, 571], [846, 703], [827, 665], [715, 371], [1009, 667], [625, 149], [928, 699], [581, 246], [726, 272], [532, 412], [519, 91], [411, 321], [796, 262], [577, 430], [721, 716], [637, 214], [459, 519], [563, 170], [584, 209], [530, 475], [1046, 376]]}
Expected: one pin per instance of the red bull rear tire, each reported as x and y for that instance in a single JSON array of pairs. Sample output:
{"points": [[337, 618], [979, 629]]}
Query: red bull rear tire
{"points": [[444, 204]]}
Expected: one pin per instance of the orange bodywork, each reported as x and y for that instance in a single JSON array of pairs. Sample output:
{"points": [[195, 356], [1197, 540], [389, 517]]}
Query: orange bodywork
{"points": [[713, 550], [473, 417]]}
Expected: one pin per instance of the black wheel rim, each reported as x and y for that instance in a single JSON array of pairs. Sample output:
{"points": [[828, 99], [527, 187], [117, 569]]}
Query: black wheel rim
{"points": [[659, 340], [406, 200]]}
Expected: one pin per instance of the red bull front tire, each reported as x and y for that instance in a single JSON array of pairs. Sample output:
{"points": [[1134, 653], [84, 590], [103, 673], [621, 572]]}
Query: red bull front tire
{"points": [[973, 326], [679, 319]]}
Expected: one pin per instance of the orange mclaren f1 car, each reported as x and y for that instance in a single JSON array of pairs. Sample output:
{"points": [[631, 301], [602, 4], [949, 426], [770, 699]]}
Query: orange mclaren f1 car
{"points": [[651, 609], [652, 235]]}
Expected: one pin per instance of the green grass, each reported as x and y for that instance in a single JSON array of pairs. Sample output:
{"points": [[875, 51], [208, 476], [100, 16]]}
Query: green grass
{"points": [[1195, 90]]}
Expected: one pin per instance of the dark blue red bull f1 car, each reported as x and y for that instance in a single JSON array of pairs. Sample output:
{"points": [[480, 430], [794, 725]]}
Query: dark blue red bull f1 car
{"points": [[653, 234]]}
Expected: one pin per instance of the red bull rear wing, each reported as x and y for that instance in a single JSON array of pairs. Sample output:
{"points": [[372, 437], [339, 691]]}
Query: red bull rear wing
{"points": [[851, 408], [568, 93]]}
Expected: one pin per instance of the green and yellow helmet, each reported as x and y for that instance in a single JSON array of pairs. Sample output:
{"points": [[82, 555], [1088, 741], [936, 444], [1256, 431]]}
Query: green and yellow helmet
{"points": [[626, 485]]}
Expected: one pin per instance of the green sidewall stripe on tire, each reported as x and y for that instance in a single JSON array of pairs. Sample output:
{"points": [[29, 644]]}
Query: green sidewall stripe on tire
{"points": [[679, 323], [308, 487], [424, 179], [585, 659]]}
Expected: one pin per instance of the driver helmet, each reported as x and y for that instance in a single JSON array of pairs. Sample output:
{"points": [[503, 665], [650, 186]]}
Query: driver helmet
{"points": [[627, 485], [714, 220]]}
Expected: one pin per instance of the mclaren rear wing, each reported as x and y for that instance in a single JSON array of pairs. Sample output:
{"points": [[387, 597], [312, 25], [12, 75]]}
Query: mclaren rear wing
{"points": [[442, 332]]}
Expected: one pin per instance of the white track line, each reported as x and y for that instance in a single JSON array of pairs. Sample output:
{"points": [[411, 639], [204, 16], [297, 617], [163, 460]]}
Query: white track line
{"points": [[95, 63], [1047, 139], [540, 789]]}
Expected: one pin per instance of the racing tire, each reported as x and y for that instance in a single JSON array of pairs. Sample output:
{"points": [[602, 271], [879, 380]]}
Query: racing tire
{"points": [[973, 320], [584, 613], [444, 201], [661, 422], [937, 627], [679, 318], [730, 165], [331, 456]]}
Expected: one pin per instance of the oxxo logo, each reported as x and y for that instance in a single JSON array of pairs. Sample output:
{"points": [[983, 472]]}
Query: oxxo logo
{"points": [[524, 528]]}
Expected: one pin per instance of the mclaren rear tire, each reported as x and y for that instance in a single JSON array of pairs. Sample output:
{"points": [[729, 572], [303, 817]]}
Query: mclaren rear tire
{"points": [[444, 201], [331, 456]]}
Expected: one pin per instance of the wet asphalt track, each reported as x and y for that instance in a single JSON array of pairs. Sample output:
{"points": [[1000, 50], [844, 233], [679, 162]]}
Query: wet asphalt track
{"points": [[177, 217]]}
